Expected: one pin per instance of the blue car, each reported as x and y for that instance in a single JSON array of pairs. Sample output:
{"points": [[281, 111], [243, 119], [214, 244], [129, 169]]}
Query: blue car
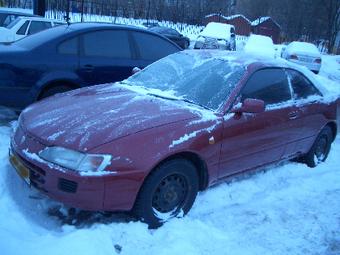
{"points": [[73, 56]]}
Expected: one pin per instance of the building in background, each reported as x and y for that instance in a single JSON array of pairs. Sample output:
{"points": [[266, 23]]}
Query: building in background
{"points": [[241, 23], [268, 27]]}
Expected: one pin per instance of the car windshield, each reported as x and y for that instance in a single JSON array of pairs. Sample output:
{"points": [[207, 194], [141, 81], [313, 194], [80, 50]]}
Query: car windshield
{"points": [[204, 81], [13, 23]]}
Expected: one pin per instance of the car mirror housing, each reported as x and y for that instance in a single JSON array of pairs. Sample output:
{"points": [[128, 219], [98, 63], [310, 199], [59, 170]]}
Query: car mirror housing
{"points": [[250, 105]]}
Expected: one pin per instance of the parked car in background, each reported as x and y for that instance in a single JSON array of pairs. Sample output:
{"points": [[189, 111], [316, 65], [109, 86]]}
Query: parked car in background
{"points": [[7, 16], [303, 53], [24, 26], [260, 44], [73, 56], [279, 49], [151, 142], [173, 35], [216, 36]]}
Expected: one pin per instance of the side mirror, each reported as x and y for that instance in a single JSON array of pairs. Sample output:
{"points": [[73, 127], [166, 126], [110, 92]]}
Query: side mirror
{"points": [[135, 70], [250, 105]]}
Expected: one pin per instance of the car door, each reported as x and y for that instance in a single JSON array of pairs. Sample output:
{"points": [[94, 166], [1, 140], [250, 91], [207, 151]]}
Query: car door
{"points": [[252, 140], [307, 102], [151, 48], [106, 56]]}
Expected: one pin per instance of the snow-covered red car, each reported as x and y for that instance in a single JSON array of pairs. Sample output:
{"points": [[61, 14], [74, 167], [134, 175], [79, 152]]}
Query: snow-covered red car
{"points": [[190, 120]]}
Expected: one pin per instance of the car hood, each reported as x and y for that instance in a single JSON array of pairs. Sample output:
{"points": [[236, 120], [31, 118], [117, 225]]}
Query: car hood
{"points": [[86, 118]]}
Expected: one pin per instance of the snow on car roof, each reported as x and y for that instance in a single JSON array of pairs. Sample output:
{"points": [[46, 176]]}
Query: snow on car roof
{"points": [[217, 30], [302, 47], [260, 44]]}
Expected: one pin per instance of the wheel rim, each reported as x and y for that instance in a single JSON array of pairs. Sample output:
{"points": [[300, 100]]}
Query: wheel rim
{"points": [[321, 149], [170, 193]]}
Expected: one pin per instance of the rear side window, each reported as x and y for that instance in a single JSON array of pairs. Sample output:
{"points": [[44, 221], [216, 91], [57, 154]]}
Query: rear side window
{"points": [[269, 85], [301, 86], [111, 44], [69, 47], [23, 28], [37, 26], [152, 47]]}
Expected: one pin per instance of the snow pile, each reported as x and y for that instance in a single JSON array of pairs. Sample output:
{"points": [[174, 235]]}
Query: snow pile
{"points": [[259, 44]]}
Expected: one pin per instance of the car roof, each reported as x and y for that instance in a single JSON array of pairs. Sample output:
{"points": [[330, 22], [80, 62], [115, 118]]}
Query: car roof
{"points": [[38, 18], [53, 33], [17, 13]]}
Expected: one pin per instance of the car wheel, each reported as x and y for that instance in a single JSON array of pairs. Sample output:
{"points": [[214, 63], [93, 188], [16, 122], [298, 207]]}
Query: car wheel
{"points": [[320, 149], [53, 90], [168, 192]]}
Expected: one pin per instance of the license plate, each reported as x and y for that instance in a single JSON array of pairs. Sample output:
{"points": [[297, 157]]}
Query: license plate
{"points": [[22, 170]]}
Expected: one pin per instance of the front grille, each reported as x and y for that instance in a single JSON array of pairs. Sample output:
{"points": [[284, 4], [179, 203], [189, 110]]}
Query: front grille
{"points": [[67, 185]]}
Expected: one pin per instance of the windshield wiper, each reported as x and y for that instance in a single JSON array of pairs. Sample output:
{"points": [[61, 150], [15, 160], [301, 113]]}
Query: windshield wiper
{"points": [[179, 99], [194, 103]]}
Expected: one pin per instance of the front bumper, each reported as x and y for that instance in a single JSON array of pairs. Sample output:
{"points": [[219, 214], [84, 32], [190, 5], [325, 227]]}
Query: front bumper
{"points": [[111, 192]]}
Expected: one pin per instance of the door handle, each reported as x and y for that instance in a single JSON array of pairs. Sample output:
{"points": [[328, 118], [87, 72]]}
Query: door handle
{"points": [[293, 115], [88, 68]]}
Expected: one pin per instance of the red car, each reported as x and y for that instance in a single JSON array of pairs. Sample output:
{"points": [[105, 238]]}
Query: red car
{"points": [[150, 143]]}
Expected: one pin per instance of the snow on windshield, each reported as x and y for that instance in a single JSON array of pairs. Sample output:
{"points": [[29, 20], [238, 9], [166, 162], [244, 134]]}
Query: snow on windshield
{"points": [[204, 81]]}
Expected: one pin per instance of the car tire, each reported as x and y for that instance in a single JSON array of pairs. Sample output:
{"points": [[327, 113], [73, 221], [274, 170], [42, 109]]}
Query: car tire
{"points": [[168, 192], [53, 90], [320, 149]]}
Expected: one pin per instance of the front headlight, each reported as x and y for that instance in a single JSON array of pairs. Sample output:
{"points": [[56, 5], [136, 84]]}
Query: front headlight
{"points": [[75, 160]]}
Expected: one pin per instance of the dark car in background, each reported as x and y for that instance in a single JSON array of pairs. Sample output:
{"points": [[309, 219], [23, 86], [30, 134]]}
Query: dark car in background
{"points": [[72, 56], [7, 16], [173, 35]]}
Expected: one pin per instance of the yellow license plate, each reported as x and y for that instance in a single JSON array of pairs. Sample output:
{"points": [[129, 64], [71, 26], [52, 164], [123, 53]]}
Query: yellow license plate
{"points": [[22, 171]]}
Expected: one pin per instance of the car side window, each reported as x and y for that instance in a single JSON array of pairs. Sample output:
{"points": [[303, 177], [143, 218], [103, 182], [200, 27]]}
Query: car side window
{"points": [[108, 43], [302, 87], [69, 47], [23, 28], [152, 47], [37, 26], [269, 85]]}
